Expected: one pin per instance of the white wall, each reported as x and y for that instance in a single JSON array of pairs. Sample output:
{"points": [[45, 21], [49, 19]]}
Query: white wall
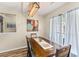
{"points": [[66, 7], [15, 40]]}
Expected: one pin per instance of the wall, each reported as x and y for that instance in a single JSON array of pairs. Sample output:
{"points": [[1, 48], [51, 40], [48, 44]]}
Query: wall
{"points": [[66, 7], [15, 40]]}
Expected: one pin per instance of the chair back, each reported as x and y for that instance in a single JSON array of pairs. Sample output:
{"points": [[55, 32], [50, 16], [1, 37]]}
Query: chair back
{"points": [[63, 52], [33, 35], [29, 48]]}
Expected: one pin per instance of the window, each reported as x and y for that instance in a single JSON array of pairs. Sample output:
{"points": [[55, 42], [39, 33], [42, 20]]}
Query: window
{"points": [[65, 30], [56, 29]]}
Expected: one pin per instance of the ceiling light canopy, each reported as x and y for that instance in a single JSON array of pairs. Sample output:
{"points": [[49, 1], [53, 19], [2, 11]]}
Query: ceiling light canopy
{"points": [[33, 8]]}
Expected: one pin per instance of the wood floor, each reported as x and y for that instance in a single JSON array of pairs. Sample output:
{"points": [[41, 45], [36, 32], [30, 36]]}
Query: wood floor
{"points": [[16, 53]]}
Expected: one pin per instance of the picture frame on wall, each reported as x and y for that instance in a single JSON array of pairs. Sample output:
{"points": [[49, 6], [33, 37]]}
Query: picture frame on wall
{"points": [[11, 27], [7, 23], [32, 25]]}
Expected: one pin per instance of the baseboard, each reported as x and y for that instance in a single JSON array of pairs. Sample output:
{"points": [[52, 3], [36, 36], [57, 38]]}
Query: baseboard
{"points": [[13, 49]]}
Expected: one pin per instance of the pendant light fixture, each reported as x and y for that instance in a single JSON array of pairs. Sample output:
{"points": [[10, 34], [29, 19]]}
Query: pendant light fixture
{"points": [[33, 8]]}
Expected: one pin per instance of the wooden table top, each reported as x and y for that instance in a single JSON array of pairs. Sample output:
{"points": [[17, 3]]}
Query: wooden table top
{"points": [[40, 52]]}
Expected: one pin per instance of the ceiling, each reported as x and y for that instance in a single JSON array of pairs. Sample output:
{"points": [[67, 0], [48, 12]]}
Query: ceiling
{"points": [[45, 7]]}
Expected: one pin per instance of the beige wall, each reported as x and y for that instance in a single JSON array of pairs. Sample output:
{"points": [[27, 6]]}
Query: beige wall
{"points": [[16, 40], [66, 7]]}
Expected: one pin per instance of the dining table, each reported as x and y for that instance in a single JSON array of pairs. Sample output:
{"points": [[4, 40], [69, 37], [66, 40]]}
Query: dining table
{"points": [[42, 47]]}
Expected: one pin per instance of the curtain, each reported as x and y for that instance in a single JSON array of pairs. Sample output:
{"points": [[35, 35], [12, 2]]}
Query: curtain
{"points": [[56, 30], [77, 30], [65, 30], [70, 31]]}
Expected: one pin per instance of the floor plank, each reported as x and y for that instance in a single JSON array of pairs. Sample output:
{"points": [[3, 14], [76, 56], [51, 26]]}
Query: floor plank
{"points": [[15, 53]]}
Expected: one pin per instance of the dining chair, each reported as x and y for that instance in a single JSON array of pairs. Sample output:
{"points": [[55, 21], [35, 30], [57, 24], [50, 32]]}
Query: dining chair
{"points": [[63, 52], [33, 35], [29, 48]]}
